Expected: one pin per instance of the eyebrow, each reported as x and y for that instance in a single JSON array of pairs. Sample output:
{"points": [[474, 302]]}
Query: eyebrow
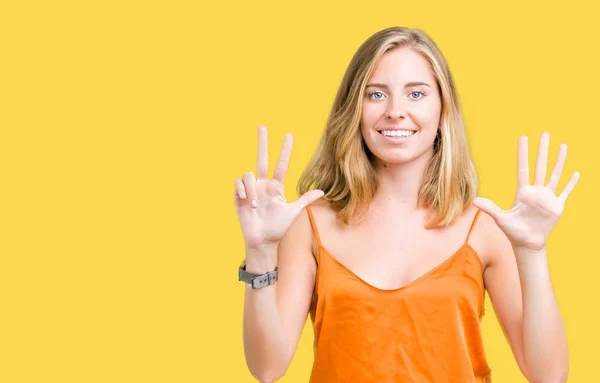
{"points": [[408, 85]]}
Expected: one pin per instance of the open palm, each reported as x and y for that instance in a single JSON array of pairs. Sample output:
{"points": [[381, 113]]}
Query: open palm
{"points": [[536, 208], [263, 212]]}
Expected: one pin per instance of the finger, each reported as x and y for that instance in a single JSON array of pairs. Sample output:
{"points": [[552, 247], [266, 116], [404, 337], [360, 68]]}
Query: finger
{"points": [[488, 207], [570, 186], [542, 160], [250, 185], [284, 158], [262, 159], [558, 167], [523, 162], [240, 190], [305, 200]]}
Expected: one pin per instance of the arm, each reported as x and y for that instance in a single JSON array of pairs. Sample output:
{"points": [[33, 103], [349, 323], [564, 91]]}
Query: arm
{"points": [[520, 289], [518, 279], [544, 339], [276, 233], [274, 316]]}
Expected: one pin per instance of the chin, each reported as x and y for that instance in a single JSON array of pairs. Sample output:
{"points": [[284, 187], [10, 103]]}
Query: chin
{"points": [[401, 157], [395, 159]]}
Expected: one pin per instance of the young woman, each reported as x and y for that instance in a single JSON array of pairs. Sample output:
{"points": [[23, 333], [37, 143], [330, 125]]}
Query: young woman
{"points": [[388, 248]]}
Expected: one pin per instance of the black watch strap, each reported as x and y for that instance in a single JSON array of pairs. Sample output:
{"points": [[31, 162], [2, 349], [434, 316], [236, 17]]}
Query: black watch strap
{"points": [[257, 280]]}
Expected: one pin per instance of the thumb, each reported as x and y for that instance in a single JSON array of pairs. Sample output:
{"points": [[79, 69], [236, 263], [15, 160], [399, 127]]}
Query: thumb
{"points": [[306, 199], [488, 207]]}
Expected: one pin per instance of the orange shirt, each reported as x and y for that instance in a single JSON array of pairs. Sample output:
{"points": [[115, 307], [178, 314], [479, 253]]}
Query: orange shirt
{"points": [[426, 331]]}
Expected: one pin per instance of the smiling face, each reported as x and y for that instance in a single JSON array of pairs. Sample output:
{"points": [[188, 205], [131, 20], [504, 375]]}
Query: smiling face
{"points": [[401, 108]]}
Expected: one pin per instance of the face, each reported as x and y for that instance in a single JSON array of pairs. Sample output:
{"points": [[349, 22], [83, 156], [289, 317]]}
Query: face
{"points": [[401, 108]]}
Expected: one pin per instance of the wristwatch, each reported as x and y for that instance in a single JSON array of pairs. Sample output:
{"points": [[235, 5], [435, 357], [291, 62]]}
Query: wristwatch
{"points": [[256, 280]]}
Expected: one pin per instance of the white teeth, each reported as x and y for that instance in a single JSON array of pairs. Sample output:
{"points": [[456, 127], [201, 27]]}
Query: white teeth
{"points": [[397, 133]]}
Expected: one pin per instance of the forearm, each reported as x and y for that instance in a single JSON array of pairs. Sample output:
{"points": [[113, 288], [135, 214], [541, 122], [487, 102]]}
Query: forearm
{"points": [[265, 345], [545, 350]]}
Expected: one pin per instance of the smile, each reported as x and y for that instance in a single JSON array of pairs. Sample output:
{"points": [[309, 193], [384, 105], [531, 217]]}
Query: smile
{"points": [[397, 133]]}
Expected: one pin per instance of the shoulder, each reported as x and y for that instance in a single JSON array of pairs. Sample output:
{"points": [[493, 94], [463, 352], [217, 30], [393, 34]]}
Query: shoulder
{"points": [[323, 213], [300, 230], [324, 217], [488, 240], [299, 238], [301, 234], [320, 206]]}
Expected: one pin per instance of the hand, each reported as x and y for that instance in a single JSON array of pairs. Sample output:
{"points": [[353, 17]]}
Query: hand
{"points": [[261, 206], [536, 208]]}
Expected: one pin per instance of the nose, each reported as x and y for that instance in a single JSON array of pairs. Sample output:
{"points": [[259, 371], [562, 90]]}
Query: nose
{"points": [[395, 108]]}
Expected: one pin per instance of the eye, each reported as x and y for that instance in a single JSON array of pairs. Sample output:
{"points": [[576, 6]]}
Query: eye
{"points": [[417, 92], [376, 95]]}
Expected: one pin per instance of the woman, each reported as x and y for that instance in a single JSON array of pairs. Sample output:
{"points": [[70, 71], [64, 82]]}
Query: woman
{"points": [[390, 252]]}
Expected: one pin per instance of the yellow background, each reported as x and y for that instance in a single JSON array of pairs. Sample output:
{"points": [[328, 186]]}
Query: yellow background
{"points": [[124, 123]]}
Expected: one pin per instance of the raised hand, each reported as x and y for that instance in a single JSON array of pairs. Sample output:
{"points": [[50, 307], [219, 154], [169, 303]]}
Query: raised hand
{"points": [[262, 209], [536, 208]]}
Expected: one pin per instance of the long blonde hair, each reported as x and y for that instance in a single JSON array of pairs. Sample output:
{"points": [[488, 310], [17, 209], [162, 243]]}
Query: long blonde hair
{"points": [[341, 165]]}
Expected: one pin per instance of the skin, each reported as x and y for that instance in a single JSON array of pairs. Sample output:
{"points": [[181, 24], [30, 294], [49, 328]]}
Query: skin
{"points": [[510, 244]]}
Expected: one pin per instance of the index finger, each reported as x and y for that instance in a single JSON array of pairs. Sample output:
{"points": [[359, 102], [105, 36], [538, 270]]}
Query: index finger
{"points": [[262, 159], [284, 158]]}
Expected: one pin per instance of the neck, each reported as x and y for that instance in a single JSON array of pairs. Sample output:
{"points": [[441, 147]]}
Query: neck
{"points": [[399, 184]]}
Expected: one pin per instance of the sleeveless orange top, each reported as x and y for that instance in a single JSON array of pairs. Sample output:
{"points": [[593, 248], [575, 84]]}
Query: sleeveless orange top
{"points": [[426, 331]]}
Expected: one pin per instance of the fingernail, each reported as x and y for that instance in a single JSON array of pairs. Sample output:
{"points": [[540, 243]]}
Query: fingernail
{"points": [[253, 203], [243, 195]]}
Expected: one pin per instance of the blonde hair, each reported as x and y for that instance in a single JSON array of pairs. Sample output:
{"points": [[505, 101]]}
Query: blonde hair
{"points": [[341, 166]]}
